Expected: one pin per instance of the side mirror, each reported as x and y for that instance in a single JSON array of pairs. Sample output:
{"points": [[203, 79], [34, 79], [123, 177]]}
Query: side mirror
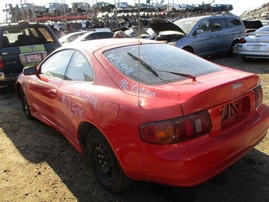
{"points": [[30, 70], [199, 31]]}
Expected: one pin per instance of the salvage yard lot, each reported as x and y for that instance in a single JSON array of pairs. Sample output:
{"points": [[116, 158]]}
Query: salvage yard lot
{"points": [[38, 164]]}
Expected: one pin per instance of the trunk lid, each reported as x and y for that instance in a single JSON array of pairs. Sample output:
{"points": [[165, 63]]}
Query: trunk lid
{"points": [[258, 37], [210, 90]]}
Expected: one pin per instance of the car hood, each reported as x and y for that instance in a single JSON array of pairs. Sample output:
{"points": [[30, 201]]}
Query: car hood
{"points": [[159, 25]]}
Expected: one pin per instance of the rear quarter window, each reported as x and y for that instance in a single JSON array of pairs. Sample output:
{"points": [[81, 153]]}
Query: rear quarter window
{"points": [[233, 22], [46, 34]]}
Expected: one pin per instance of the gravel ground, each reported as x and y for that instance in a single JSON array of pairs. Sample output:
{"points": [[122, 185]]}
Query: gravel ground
{"points": [[38, 164]]}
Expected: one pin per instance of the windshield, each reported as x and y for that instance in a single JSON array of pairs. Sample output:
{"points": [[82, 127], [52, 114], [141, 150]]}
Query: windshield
{"points": [[186, 24], [158, 63]]}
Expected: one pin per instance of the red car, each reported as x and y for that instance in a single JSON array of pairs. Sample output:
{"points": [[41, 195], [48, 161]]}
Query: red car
{"points": [[145, 110]]}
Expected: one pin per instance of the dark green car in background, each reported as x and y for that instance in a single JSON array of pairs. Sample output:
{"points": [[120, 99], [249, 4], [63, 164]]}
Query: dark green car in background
{"points": [[23, 44]]}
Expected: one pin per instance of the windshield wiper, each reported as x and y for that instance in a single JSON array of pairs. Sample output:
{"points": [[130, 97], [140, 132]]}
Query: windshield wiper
{"points": [[147, 66], [180, 74], [151, 69]]}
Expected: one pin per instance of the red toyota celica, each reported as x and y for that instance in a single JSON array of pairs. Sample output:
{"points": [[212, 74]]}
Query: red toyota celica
{"points": [[146, 110]]}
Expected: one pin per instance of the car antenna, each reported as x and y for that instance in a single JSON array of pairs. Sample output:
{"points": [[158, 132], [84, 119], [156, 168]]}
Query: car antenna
{"points": [[138, 54]]}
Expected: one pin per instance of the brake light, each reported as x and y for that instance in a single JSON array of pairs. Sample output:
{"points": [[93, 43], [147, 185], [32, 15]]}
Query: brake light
{"points": [[258, 96], [1, 62], [176, 130], [242, 40]]}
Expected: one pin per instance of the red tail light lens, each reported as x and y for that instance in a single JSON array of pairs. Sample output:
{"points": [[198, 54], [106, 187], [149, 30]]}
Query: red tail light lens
{"points": [[1, 62], [258, 96], [242, 40], [176, 130]]}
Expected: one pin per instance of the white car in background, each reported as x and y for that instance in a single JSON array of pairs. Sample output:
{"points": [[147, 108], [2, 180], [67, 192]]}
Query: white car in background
{"points": [[71, 37], [255, 44]]}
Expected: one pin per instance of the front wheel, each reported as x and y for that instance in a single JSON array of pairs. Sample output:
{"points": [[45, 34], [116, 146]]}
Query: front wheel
{"points": [[25, 105], [104, 163], [233, 49]]}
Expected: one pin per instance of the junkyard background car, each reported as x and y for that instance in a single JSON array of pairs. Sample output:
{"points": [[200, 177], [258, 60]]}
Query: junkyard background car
{"points": [[255, 44], [202, 35], [23, 44]]}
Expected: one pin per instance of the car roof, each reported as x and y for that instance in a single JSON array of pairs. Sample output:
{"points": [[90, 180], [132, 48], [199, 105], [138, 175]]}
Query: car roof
{"points": [[95, 45], [22, 24]]}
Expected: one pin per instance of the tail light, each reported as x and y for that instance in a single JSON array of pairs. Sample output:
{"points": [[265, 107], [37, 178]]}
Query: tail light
{"points": [[258, 96], [242, 40], [176, 130], [1, 62]]}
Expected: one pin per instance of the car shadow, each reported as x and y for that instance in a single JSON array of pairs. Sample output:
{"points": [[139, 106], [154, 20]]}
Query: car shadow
{"points": [[246, 180]]}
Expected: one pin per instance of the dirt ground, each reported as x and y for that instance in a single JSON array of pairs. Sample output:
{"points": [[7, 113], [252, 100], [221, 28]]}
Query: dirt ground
{"points": [[38, 163]]}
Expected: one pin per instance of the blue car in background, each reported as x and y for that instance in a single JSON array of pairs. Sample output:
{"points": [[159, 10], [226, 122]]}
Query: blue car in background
{"points": [[220, 7]]}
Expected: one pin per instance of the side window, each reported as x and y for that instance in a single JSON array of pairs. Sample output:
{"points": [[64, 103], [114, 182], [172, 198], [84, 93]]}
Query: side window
{"points": [[46, 34], [5, 41], [205, 25], [79, 69], [217, 24], [92, 36], [104, 35], [232, 22], [55, 66]]}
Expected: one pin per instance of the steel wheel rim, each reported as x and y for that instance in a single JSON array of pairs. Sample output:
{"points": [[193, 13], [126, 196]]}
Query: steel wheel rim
{"points": [[102, 162]]}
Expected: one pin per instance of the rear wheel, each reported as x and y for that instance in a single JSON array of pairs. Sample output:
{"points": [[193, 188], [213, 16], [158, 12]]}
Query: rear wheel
{"points": [[25, 105], [233, 49], [104, 163]]}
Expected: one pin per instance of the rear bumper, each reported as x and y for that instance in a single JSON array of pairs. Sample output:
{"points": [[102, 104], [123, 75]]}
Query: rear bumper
{"points": [[245, 49], [7, 78], [193, 162]]}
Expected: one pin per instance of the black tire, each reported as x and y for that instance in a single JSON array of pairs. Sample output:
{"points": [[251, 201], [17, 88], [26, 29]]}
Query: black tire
{"points": [[25, 105], [233, 49], [245, 59], [104, 163], [3, 87], [3, 90], [188, 49]]}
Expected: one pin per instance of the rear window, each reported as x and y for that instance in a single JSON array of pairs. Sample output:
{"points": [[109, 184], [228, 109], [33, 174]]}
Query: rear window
{"points": [[156, 64], [26, 36]]}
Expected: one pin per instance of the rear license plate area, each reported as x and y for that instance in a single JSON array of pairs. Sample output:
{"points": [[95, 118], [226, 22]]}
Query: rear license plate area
{"points": [[234, 112]]}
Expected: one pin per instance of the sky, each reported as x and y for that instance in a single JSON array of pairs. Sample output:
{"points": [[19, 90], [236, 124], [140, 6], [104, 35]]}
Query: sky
{"points": [[238, 5]]}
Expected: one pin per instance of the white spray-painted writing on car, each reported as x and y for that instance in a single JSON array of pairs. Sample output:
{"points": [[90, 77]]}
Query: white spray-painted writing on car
{"points": [[135, 88]]}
